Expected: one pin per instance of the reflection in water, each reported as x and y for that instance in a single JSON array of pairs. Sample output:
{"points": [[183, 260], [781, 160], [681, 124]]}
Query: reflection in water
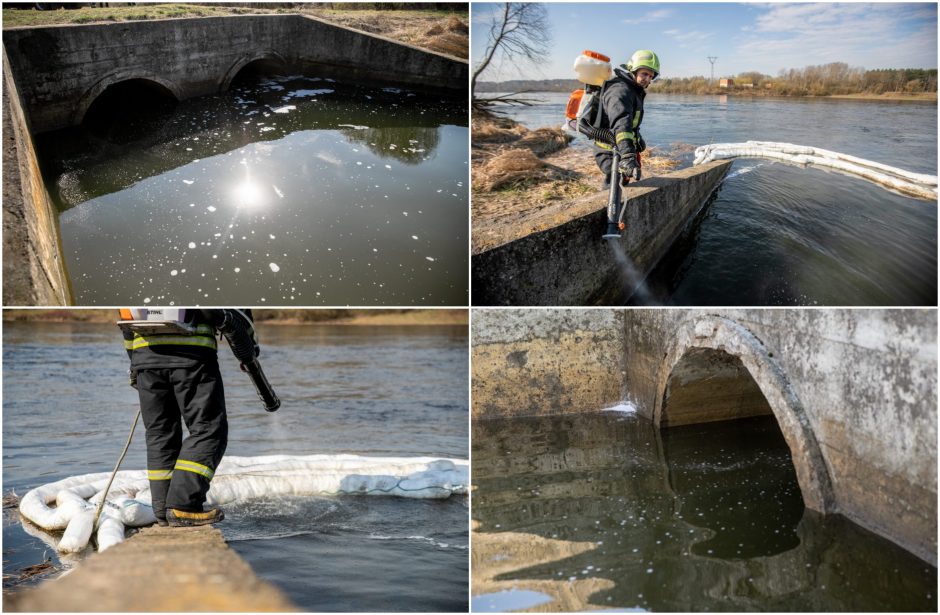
{"points": [[601, 511], [292, 190]]}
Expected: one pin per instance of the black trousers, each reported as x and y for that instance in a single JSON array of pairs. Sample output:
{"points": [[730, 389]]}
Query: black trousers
{"points": [[180, 469], [604, 159]]}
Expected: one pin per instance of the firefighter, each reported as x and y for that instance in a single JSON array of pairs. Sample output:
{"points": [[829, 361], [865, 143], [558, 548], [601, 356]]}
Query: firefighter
{"points": [[621, 111], [176, 374]]}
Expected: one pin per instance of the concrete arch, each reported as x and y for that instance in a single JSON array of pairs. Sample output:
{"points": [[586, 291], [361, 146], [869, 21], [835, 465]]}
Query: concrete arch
{"points": [[92, 93], [722, 334], [245, 60]]}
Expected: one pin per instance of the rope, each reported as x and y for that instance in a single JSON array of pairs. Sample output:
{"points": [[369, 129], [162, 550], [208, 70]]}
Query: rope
{"points": [[114, 473]]}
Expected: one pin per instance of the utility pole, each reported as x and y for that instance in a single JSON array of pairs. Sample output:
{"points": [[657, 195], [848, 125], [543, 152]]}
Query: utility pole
{"points": [[712, 60]]}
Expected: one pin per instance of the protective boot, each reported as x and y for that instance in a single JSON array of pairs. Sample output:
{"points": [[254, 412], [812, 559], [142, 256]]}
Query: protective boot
{"points": [[184, 518]]}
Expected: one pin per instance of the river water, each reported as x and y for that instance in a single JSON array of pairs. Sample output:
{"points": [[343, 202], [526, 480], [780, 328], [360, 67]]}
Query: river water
{"points": [[599, 511], [283, 190], [781, 235], [375, 391]]}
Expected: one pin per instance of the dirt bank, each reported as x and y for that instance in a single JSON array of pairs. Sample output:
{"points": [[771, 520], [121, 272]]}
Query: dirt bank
{"points": [[528, 177], [441, 31]]}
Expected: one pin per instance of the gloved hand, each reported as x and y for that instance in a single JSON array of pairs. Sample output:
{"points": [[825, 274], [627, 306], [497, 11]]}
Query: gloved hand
{"points": [[640, 144], [132, 377], [629, 168]]}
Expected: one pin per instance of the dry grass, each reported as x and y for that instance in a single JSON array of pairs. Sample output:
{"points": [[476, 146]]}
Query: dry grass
{"points": [[441, 31], [526, 180]]}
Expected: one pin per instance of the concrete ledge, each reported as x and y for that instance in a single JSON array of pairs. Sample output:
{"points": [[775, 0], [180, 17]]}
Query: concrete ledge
{"points": [[571, 265], [159, 569], [60, 69], [33, 266]]}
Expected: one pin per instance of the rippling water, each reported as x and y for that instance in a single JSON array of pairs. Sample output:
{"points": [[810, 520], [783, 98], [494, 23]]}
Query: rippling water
{"points": [[285, 191], [780, 235], [378, 391], [599, 511]]}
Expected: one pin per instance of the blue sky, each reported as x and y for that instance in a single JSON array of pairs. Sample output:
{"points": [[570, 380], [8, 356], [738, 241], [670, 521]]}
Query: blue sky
{"points": [[745, 37]]}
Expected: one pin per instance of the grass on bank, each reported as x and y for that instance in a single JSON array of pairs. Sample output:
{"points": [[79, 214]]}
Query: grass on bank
{"points": [[270, 316], [443, 31]]}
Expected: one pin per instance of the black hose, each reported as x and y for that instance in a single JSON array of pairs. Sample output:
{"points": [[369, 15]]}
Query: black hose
{"points": [[604, 135]]}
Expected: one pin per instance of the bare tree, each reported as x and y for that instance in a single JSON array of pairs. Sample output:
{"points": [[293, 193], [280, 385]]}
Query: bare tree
{"points": [[519, 32]]}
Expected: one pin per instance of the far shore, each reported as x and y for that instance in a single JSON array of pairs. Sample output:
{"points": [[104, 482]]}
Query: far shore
{"points": [[378, 317], [921, 97]]}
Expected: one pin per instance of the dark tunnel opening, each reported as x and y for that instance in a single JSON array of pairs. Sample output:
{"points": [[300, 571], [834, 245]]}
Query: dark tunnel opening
{"points": [[257, 70], [126, 109], [729, 462]]}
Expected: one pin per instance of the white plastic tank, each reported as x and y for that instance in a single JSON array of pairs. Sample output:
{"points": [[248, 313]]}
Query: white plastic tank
{"points": [[592, 68]]}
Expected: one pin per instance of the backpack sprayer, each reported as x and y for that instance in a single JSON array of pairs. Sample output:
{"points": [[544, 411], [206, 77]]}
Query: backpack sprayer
{"points": [[235, 325], [582, 115]]}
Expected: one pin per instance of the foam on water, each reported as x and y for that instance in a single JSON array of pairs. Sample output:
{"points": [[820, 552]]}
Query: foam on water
{"points": [[625, 407]]}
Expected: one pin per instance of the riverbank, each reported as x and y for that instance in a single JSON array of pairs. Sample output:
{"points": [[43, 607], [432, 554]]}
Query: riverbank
{"points": [[442, 31], [273, 317], [530, 177]]}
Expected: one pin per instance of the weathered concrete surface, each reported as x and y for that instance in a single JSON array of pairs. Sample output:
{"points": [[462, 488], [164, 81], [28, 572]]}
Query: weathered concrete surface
{"points": [[33, 266], [61, 70], [159, 569], [530, 362], [854, 392], [708, 385], [570, 264]]}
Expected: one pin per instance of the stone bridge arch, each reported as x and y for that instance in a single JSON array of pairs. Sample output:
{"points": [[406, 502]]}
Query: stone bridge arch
{"points": [[92, 93], [722, 340], [268, 55]]}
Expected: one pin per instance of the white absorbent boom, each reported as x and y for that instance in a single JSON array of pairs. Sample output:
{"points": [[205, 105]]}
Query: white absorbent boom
{"points": [[911, 184], [69, 504]]}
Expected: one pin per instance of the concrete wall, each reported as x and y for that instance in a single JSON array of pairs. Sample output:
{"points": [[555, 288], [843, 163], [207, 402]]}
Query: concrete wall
{"points": [[531, 362], [570, 264], [33, 265], [854, 392], [61, 70]]}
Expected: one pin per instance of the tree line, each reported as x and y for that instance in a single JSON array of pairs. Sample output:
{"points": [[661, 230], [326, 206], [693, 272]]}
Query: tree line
{"points": [[825, 80], [837, 78]]}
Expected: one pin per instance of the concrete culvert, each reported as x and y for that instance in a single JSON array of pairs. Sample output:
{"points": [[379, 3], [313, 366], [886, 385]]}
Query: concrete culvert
{"points": [[709, 385], [115, 112], [256, 69]]}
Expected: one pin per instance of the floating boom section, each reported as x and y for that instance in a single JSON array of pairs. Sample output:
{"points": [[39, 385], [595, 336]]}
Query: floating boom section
{"points": [[911, 184], [69, 504]]}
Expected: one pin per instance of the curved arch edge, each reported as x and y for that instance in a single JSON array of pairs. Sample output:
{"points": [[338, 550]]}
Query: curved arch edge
{"points": [[719, 333], [267, 54], [92, 93]]}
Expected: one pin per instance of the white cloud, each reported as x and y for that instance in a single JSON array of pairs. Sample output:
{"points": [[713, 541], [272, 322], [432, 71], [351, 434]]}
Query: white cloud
{"points": [[869, 35], [642, 18]]}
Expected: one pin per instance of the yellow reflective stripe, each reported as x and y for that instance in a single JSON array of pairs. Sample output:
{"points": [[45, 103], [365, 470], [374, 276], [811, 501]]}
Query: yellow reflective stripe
{"points": [[603, 145], [159, 474], [141, 341], [204, 336], [636, 118], [195, 468], [621, 136], [185, 514]]}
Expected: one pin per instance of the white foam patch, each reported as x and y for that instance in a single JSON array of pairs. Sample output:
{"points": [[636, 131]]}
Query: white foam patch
{"points": [[307, 93], [625, 407], [284, 109]]}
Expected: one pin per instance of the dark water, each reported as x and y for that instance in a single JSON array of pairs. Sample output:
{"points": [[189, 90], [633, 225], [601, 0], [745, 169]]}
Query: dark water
{"points": [[285, 191], [598, 511], [781, 235], [378, 391]]}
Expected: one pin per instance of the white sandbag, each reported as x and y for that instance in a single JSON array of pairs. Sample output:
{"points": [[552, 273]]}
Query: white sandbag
{"points": [[70, 503], [78, 532], [917, 185]]}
